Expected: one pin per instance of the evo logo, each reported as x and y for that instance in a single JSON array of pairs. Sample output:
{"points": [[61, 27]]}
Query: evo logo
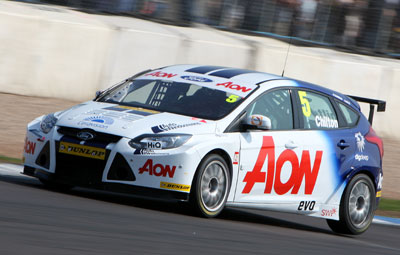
{"points": [[306, 206]]}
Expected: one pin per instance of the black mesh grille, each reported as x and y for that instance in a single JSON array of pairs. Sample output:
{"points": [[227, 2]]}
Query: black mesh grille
{"points": [[120, 170], [98, 136], [79, 170], [44, 156]]}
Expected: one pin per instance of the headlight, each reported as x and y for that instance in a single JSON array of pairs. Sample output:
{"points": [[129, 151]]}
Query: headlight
{"points": [[159, 142], [47, 123]]}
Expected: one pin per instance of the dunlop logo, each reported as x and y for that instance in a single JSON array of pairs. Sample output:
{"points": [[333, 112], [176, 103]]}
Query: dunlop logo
{"points": [[82, 150], [174, 186]]}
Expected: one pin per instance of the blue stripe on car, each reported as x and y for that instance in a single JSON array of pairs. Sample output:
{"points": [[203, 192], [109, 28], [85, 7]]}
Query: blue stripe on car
{"points": [[204, 69], [229, 73]]}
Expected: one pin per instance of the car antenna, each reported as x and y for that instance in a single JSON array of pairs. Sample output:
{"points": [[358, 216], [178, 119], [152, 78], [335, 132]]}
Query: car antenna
{"points": [[287, 54]]}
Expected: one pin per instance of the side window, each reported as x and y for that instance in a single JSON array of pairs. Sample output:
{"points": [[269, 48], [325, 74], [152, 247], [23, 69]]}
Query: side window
{"points": [[350, 115], [275, 105], [317, 111]]}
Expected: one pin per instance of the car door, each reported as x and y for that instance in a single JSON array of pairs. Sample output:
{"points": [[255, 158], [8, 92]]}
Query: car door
{"points": [[269, 159], [290, 166], [322, 118]]}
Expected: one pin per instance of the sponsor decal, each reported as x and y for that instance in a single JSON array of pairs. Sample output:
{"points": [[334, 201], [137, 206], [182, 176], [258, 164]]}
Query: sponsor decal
{"points": [[82, 150], [161, 74], [328, 212], [97, 121], [360, 141], [303, 170], [196, 78], [202, 121], [154, 145], [361, 157], [326, 122], [171, 126], [29, 147], [147, 152], [379, 193], [174, 186], [232, 86], [157, 169], [256, 120], [236, 158], [306, 206], [380, 181]]}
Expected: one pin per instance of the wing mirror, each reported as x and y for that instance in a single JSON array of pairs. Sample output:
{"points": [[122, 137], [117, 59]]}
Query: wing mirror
{"points": [[257, 121], [98, 93]]}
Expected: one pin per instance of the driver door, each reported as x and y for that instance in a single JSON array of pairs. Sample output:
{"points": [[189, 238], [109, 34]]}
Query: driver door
{"points": [[269, 159]]}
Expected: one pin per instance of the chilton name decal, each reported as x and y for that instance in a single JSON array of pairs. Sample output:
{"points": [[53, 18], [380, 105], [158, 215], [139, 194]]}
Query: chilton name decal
{"points": [[272, 178]]}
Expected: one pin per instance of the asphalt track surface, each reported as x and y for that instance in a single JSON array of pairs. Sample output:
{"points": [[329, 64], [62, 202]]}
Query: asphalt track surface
{"points": [[34, 220]]}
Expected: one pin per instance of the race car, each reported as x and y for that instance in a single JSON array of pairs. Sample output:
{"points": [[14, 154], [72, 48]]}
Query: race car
{"points": [[218, 137]]}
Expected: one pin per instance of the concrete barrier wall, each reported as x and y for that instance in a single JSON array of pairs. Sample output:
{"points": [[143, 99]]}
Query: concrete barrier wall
{"points": [[71, 55]]}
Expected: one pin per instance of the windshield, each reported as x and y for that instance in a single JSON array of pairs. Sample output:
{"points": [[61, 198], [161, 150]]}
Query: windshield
{"points": [[176, 97]]}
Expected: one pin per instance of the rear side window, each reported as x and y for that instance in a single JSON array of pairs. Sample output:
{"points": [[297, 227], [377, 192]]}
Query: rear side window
{"points": [[349, 115], [317, 111]]}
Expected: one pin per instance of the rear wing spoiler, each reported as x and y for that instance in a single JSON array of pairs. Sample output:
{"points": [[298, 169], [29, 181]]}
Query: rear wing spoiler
{"points": [[372, 102]]}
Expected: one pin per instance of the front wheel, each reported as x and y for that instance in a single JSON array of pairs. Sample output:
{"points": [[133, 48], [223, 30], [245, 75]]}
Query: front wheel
{"points": [[210, 186], [356, 207]]}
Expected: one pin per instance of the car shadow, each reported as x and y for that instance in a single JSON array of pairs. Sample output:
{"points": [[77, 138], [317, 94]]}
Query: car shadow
{"points": [[182, 208]]}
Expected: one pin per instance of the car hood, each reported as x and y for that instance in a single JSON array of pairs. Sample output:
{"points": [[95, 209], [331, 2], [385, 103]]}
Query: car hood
{"points": [[131, 121]]}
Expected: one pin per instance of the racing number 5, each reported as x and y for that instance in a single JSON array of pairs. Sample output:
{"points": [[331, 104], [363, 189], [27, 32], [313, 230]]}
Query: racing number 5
{"points": [[305, 103], [232, 98]]}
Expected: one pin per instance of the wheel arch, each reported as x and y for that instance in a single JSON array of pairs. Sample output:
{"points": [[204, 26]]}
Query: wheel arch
{"points": [[368, 171], [225, 155]]}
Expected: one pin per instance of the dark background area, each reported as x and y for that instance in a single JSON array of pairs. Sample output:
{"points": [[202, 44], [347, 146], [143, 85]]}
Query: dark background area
{"points": [[361, 26]]}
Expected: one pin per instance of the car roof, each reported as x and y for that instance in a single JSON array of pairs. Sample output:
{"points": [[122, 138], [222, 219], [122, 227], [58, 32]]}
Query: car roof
{"points": [[251, 77]]}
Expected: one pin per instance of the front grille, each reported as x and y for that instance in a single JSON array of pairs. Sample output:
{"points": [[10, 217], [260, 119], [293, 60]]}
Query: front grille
{"points": [[99, 137], [77, 170]]}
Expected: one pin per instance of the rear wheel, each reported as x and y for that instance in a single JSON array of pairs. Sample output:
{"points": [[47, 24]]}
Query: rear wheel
{"points": [[356, 207], [210, 186]]}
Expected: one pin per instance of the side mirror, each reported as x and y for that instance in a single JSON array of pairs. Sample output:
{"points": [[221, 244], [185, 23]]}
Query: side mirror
{"points": [[257, 121], [98, 93]]}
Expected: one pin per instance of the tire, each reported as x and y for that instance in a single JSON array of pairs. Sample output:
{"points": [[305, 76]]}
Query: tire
{"points": [[210, 186], [357, 207]]}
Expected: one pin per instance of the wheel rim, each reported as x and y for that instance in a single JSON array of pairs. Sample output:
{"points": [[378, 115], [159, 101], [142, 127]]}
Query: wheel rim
{"points": [[359, 204], [213, 186]]}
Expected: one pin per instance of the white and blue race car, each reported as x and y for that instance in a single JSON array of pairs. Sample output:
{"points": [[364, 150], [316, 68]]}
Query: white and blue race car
{"points": [[216, 137]]}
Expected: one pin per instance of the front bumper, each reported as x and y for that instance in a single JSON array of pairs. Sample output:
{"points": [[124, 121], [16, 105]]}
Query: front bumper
{"points": [[122, 169]]}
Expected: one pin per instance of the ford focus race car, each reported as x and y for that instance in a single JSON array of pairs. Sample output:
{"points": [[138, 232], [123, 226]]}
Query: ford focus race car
{"points": [[217, 137]]}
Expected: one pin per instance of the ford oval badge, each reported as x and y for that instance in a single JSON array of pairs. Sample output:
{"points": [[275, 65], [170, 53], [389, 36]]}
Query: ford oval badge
{"points": [[196, 78], [85, 135]]}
